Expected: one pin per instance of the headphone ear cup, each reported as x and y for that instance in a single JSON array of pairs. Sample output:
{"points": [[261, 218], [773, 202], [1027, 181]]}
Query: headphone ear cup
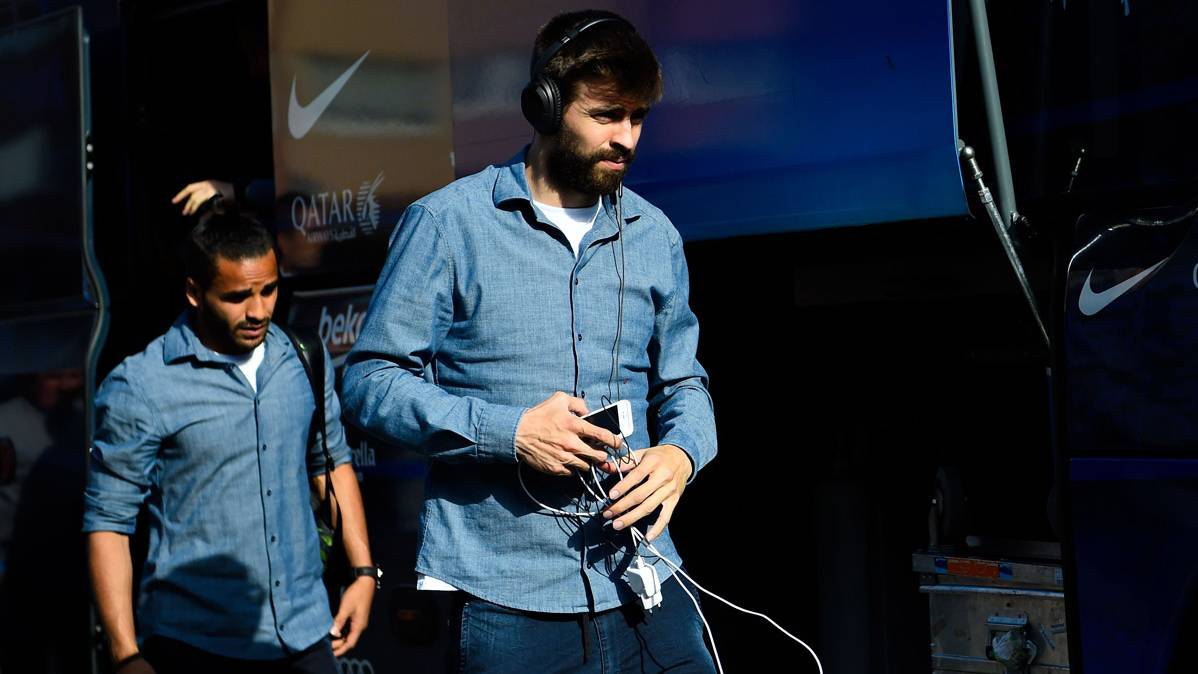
{"points": [[541, 103]]}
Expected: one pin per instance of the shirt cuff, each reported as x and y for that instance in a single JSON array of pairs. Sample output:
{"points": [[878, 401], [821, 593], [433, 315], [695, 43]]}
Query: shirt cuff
{"points": [[103, 512], [497, 433], [685, 445], [316, 464]]}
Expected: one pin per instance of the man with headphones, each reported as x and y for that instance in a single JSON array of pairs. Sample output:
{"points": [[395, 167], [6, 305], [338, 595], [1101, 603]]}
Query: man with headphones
{"points": [[513, 301]]}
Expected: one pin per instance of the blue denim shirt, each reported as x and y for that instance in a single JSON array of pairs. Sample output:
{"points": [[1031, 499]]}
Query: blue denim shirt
{"points": [[234, 565], [483, 311]]}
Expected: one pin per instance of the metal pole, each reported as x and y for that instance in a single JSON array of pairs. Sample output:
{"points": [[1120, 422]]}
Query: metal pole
{"points": [[975, 173], [98, 291], [998, 133]]}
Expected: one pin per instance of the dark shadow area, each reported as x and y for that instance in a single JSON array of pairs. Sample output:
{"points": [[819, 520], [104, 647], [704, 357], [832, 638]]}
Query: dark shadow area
{"points": [[198, 107], [846, 366], [44, 593]]}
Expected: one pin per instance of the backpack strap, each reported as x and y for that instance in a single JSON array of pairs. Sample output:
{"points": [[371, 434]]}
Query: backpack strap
{"points": [[311, 356]]}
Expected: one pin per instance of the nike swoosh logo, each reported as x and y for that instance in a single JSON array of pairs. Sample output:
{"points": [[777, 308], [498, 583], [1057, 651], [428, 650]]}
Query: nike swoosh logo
{"points": [[1091, 302], [300, 118]]}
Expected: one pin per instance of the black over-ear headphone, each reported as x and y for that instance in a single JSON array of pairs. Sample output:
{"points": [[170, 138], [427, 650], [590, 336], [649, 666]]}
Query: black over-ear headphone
{"points": [[541, 100]]}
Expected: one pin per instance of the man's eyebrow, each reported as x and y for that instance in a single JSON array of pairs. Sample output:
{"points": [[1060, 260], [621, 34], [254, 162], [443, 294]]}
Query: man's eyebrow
{"points": [[605, 109], [232, 294]]}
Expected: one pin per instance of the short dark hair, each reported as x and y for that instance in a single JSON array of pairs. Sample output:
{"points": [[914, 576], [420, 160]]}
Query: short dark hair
{"points": [[611, 51], [220, 233]]}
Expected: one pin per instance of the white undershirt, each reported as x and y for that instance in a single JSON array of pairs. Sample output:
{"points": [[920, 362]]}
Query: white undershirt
{"points": [[573, 222], [247, 362], [424, 582]]}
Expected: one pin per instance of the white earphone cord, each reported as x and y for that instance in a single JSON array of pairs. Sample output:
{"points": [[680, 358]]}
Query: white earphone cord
{"points": [[639, 539]]}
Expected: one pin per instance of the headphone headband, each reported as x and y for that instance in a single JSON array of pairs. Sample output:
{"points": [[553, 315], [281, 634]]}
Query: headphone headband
{"points": [[552, 51]]}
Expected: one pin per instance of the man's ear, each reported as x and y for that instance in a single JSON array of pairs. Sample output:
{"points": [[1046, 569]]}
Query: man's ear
{"points": [[193, 292]]}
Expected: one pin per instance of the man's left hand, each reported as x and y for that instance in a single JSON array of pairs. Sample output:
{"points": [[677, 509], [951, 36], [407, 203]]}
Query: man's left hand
{"points": [[353, 614], [658, 479]]}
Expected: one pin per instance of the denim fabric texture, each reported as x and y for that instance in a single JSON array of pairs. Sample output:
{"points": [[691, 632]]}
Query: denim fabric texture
{"points": [[482, 311], [234, 564], [498, 640]]}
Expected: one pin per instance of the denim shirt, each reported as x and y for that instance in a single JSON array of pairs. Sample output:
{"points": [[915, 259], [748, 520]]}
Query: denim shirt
{"points": [[234, 564], [482, 311]]}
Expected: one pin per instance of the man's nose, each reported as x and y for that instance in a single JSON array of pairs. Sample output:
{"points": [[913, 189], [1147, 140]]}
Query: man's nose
{"points": [[255, 309], [622, 135]]}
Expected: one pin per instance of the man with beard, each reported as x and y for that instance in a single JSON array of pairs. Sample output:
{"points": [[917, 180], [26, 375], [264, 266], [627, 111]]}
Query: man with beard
{"points": [[209, 427], [512, 302]]}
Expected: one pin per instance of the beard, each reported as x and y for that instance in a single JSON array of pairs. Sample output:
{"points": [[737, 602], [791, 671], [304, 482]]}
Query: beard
{"points": [[226, 336], [570, 167]]}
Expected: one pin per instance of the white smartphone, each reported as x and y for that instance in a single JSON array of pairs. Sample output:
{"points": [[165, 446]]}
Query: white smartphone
{"points": [[616, 418]]}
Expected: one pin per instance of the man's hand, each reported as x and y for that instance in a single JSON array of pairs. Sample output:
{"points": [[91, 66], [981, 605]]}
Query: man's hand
{"points": [[197, 193], [552, 439], [352, 615], [658, 479]]}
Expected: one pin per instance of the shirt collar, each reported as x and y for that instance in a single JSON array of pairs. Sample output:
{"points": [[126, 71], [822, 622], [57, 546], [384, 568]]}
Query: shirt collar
{"points": [[182, 342]]}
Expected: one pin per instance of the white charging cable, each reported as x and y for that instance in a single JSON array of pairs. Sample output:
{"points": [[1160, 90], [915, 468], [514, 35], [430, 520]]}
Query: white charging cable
{"points": [[679, 572], [642, 578], [579, 514], [639, 540]]}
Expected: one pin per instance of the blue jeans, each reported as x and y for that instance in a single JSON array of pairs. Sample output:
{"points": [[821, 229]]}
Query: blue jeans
{"points": [[169, 656], [496, 640]]}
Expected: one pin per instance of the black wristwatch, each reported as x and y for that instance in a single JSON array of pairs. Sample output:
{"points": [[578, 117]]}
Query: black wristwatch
{"points": [[373, 571], [118, 666]]}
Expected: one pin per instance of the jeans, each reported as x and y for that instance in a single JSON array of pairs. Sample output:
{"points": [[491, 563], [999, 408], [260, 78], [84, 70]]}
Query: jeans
{"points": [[497, 640], [169, 656]]}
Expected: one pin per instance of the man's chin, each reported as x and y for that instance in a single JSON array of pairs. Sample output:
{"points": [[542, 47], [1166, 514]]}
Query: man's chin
{"points": [[244, 342], [605, 180]]}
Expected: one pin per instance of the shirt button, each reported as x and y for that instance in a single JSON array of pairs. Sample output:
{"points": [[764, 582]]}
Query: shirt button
{"points": [[580, 337], [278, 583], [272, 539], [576, 281], [282, 627], [584, 394], [268, 492], [264, 448]]}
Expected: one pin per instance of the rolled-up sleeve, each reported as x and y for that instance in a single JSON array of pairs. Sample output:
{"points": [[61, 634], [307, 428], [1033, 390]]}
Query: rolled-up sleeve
{"points": [[680, 404], [385, 389], [122, 458]]}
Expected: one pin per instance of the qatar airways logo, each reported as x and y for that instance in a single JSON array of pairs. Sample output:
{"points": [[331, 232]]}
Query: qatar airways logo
{"points": [[338, 215]]}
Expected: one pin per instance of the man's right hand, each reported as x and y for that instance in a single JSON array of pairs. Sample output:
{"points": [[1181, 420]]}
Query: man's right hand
{"points": [[551, 438]]}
